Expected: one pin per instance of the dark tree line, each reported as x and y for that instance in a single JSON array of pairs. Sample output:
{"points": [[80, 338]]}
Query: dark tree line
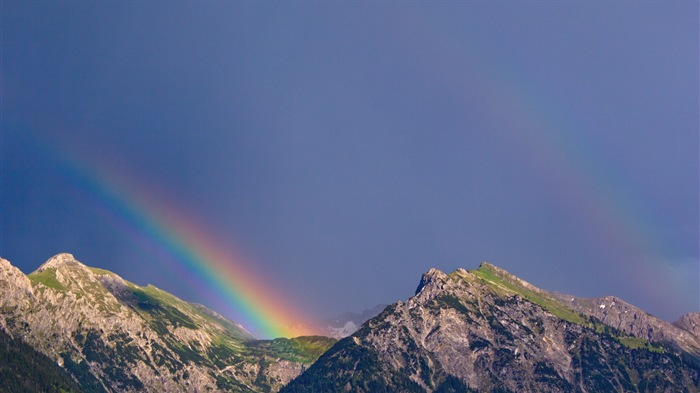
{"points": [[23, 369]]}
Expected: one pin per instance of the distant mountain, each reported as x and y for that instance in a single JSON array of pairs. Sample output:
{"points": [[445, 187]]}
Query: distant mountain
{"points": [[111, 335], [488, 331], [347, 323]]}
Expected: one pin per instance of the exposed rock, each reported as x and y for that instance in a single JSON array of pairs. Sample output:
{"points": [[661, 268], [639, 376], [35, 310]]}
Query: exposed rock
{"points": [[62, 261], [112, 335], [618, 314], [480, 330], [16, 284], [486, 330], [24, 369], [691, 323]]}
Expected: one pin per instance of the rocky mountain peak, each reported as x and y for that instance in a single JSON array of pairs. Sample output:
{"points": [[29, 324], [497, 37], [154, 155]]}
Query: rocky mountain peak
{"points": [[115, 336], [66, 271], [690, 322], [487, 330], [507, 276], [4, 263], [15, 281], [432, 278], [61, 261], [486, 265], [7, 270]]}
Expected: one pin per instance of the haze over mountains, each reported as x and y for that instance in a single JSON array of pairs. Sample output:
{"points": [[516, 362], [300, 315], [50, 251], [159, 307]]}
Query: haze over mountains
{"points": [[477, 330], [347, 323]]}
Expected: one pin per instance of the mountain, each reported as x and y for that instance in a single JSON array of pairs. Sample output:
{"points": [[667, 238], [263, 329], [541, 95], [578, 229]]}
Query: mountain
{"points": [[690, 322], [23, 369], [347, 323], [68, 327], [488, 331], [111, 335]]}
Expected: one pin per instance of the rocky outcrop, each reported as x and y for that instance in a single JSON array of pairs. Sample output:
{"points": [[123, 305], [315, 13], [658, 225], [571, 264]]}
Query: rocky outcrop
{"points": [[17, 288], [486, 330], [691, 323], [112, 335], [620, 315], [478, 330]]}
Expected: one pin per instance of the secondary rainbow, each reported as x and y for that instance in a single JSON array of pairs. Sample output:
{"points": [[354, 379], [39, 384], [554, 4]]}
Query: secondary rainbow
{"points": [[554, 146]]}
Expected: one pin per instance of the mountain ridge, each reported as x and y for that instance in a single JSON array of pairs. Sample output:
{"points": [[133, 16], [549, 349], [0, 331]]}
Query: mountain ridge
{"points": [[469, 330], [487, 330], [60, 261], [625, 317], [115, 336]]}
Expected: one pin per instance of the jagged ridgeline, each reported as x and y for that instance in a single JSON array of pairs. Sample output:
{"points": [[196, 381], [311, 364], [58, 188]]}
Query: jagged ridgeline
{"points": [[110, 335], [489, 331], [84, 329]]}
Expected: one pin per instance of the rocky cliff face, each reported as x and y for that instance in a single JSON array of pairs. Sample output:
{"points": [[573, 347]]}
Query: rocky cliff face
{"points": [[487, 330], [691, 323], [112, 335], [618, 314], [480, 330]]}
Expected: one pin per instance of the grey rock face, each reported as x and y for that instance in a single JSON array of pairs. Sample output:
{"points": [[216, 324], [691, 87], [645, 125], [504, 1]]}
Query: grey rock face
{"points": [[112, 335], [486, 330], [618, 314], [691, 323]]}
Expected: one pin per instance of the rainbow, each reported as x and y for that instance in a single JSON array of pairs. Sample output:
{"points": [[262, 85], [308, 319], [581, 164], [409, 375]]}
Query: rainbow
{"points": [[551, 144], [185, 247], [555, 147]]}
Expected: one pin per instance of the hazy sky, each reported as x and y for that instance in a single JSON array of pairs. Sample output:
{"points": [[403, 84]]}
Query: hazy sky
{"points": [[347, 147]]}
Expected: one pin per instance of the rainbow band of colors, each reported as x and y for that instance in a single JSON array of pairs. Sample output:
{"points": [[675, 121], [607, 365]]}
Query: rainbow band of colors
{"points": [[190, 251]]}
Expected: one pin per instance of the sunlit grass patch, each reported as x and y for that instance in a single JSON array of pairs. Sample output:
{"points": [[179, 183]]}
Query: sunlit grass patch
{"points": [[48, 278]]}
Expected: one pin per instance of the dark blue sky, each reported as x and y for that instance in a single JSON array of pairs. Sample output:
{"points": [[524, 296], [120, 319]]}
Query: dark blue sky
{"points": [[349, 147]]}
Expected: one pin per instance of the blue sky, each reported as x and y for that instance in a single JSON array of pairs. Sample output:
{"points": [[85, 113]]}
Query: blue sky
{"points": [[348, 147]]}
